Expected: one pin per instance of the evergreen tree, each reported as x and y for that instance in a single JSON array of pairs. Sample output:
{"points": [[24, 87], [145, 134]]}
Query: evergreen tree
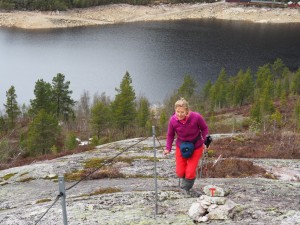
{"points": [[63, 103], [123, 107], [42, 134], [278, 68], [221, 89], [43, 98], [11, 107], [276, 117], [263, 73], [296, 82], [100, 118], [3, 125], [286, 81], [163, 120], [70, 142], [188, 87], [213, 97], [238, 87], [206, 90], [297, 115], [143, 112]]}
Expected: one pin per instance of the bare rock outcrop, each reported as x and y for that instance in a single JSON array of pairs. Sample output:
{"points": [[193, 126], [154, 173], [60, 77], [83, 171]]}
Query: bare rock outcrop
{"points": [[27, 192]]}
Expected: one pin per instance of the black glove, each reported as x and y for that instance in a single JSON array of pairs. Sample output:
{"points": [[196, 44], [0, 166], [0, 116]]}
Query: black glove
{"points": [[207, 141]]}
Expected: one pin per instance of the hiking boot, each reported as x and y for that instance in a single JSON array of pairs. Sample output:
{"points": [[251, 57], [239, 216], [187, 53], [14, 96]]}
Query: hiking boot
{"points": [[187, 184], [195, 193], [185, 193]]}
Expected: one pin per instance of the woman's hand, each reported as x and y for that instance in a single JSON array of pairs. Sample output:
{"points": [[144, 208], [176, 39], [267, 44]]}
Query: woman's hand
{"points": [[166, 152]]}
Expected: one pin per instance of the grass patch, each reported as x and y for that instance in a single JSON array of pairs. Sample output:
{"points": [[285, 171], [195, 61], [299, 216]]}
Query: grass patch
{"points": [[104, 191], [147, 148], [43, 200], [90, 174], [148, 158], [8, 176], [23, 174], [26, 179], [74, 176], [140, 176], [105, 172], [94, 163], [51, 178]]}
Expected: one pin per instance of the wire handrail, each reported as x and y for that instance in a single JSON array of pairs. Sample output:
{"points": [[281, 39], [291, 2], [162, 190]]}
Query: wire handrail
{"points": [[89, 174]]}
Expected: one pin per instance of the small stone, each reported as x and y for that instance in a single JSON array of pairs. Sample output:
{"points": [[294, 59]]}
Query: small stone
{"points": [[214, 191], [203, 219], [196, 210]]}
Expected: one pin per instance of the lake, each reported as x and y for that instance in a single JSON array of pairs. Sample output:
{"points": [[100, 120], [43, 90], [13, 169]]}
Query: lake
{"points": [[156, 54]]}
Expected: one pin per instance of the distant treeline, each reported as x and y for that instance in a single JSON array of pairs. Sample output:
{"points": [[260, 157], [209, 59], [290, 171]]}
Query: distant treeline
{"points": [[267, 98], [52, 5]]}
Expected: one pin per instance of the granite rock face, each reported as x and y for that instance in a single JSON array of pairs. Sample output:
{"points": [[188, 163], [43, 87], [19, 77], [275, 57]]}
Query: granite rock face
{"points": [[27, 192]]}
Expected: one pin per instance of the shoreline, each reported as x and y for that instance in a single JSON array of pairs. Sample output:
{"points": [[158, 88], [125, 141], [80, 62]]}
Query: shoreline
{"points": [[123, 13]]}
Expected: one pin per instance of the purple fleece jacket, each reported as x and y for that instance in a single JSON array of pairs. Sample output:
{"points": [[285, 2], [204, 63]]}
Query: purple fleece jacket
{"points": [[189, 131]]}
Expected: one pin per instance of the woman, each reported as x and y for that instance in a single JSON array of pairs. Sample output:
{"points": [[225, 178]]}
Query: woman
{"points": [[188, 126]]}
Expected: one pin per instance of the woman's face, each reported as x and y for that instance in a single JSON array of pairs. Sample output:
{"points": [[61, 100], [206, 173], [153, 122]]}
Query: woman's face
{"points": [[181, 112]]}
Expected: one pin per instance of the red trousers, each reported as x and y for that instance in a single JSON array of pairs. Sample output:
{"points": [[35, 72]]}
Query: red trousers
{"points": [[186, 168]]}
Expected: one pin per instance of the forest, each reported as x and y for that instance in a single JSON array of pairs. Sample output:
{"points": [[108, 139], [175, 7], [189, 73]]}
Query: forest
{"points": [[263, 104]]}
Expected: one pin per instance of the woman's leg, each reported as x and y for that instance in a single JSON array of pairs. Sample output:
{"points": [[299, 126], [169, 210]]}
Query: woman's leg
{"points": [[192, 164], [181, 164]]}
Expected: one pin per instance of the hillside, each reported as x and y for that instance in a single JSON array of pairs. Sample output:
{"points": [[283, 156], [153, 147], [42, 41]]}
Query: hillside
{"points": [[123, 191], [122, 13]]}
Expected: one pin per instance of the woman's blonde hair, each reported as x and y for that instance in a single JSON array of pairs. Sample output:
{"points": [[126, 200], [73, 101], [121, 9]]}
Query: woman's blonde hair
{"points": [[182, 103]]}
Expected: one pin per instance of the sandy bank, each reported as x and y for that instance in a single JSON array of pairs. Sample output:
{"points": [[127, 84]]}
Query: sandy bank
{"points": [[127, 13]]}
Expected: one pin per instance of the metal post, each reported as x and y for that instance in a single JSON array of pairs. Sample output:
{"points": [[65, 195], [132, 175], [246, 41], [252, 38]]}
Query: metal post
{"points": [[201, 166], [155, 171], [62, 191]]}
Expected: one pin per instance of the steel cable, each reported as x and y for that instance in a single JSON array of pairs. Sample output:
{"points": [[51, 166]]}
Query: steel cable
{"points": [[57, 197], [104, 163]]}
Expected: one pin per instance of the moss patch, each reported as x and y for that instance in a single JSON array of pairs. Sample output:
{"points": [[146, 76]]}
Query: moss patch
{"points": [[104, 191], [8, 176], [43, 200], [74, 176], [26, 179]]}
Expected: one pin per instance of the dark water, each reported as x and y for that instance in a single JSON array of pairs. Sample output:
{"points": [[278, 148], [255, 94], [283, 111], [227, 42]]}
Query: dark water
{"points": [[156, 54]]}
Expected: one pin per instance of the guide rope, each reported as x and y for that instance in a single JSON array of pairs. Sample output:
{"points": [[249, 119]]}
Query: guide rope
{"points": [[89, 174]]}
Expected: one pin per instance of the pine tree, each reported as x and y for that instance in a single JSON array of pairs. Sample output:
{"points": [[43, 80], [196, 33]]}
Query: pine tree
{"points": [[43, 98], [63, 103], [11, 107], [297, 115], [188, 88], [42, 134], [123, 107], [296, 82], [143, 112], [221, 89], [100, 118], [263, 73], [278, 68]]}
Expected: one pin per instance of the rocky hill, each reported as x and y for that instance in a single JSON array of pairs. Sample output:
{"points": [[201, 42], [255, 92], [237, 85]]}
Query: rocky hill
{"points": [[122, 13], [123, 192]]}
